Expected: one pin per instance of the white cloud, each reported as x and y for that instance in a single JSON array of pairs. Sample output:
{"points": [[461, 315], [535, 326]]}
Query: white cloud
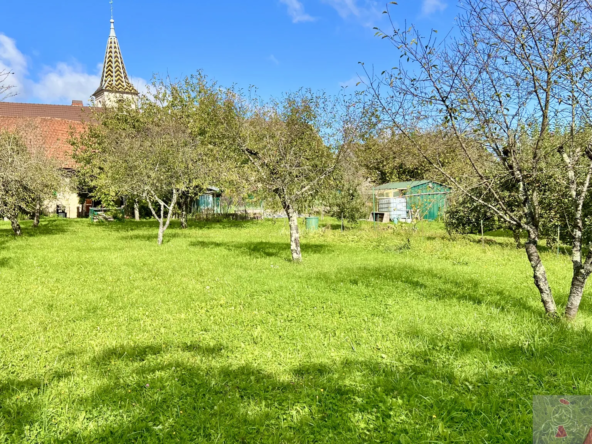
{"points": [[273, 59], [59, 84], [355, 82], [429, 7], [296, 11], [63, 83], [344, 8], [141, 85], [12, 60], [367, 12]]}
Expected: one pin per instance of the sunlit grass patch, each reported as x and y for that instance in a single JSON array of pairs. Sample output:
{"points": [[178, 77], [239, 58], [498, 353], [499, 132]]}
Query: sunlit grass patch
{"points": [[380, 335]]}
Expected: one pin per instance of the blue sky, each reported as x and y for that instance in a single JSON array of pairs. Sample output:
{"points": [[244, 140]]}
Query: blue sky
{"points": [[56, 48]]}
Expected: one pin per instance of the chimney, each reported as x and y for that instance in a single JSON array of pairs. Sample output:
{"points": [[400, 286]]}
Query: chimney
{"points": [[77, 103]]}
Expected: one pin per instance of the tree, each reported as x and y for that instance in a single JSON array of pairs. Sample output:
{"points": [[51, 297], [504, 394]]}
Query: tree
{"points": [[160, 153], [388, 156], [465, 215], [294, 145], [140, 151], [201, 106], [347, 203], [45, 179], [28, 178], [154, 150], [13, 178], [515, 85]]}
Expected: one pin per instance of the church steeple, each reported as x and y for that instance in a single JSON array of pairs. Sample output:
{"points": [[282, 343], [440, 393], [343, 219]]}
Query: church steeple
{"points": [[115, 84]]}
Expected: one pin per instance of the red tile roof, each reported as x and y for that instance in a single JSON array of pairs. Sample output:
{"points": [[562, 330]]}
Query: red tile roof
{"points": [[74, 112], [50, 134]]}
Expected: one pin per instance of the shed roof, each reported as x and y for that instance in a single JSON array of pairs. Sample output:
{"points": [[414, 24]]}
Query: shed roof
{"points": [[402, 185]]}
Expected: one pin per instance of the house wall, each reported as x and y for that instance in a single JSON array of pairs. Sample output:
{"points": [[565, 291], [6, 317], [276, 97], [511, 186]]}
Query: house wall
{"points": [[67, 199], [70, 202]]}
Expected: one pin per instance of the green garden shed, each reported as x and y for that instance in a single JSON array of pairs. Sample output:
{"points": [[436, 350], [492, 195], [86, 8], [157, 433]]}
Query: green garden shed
{"points": [[422, 199], [209, 202]]}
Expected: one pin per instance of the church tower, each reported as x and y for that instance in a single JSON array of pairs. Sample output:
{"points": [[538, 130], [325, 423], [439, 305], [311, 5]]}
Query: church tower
{"points": [[115, 84]]}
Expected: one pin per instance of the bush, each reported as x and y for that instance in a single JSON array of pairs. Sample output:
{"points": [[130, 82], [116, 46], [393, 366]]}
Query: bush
{"points": [[116, 214], [464, 216], [347, 203]]}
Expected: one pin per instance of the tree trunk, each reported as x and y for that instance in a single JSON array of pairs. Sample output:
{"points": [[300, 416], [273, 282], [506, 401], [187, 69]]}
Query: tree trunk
{"points": [[581, 271], [168, 220], [37, 214], [578, 283], [136, 210], [16, 227], [160, 231], [540, 274], [184, 207], [516, 233], [162, 225], [294, 234]]}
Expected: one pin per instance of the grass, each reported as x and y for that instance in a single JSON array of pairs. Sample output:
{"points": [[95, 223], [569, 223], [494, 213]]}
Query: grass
{"points": [[217, 337]]}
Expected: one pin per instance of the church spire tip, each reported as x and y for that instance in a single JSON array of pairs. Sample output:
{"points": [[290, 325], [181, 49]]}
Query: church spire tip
{"points": [[114, 79]]}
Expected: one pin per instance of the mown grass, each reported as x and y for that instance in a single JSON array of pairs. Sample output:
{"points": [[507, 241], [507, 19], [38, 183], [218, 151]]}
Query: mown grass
{"points": [[379, 336]]}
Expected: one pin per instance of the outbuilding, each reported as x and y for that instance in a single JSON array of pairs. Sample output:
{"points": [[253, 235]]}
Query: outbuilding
{"points": [[209, 202], [407, 201]]}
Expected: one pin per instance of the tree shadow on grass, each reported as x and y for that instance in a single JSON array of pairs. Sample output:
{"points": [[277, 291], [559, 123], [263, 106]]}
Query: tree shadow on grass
{"points": [[501, 239], [21, 403], [224, 224], [423, 396], [152, 224], [147, 230], [431, 284], [152, 236], [47, 227], [262, 249], [337, 226], [141, 353]]}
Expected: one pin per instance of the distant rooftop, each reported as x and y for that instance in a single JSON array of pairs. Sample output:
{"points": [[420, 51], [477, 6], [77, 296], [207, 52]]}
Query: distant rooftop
{"points": [[402, 185], [74, 112], [50, 133]]}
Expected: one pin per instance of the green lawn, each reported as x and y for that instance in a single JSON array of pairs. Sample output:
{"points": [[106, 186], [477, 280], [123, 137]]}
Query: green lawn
{"points": [[216, 337]]}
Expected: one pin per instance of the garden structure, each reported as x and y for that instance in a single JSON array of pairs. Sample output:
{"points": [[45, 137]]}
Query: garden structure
{"points": [[408, 201]]}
